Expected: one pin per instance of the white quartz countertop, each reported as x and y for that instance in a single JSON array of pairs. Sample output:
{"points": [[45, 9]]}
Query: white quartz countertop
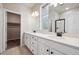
{"points": [[64, 39]]}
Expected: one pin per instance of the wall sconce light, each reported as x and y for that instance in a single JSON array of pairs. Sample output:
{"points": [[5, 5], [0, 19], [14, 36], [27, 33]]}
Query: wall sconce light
{"points": [[35, 13], [66, 8]]}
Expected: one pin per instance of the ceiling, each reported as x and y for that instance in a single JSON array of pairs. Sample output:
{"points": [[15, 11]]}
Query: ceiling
{"points": [[31, 5], [62, 8]]}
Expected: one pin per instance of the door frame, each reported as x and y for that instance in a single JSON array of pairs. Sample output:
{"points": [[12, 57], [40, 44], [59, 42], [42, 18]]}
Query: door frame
{"points": [[56, 24], [5, 27]]}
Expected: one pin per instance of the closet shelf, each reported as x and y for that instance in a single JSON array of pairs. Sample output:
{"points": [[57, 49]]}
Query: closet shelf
{"points": [[13, 24]]}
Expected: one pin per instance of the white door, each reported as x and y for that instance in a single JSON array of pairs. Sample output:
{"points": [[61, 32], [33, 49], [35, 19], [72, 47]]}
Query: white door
{"points": [[1, 30], [60, 26]]}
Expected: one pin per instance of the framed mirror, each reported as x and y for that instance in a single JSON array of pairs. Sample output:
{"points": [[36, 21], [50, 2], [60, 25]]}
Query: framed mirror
{"points": [[60, 26]]}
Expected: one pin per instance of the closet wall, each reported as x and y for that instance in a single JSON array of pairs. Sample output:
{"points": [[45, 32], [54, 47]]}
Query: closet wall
{"points": [[13, 26]]}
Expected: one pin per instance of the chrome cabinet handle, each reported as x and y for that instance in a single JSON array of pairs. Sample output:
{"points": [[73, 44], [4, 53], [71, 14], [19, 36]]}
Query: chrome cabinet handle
{"points": [[51, 52], [47, 50]]}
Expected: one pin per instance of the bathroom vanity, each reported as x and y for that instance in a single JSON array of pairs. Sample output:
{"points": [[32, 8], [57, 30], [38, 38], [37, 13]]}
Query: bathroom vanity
{"points": [[44, 44]]}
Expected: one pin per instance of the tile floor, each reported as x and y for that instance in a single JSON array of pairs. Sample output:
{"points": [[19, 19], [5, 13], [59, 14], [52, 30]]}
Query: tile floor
{"points": [[17, 51]]}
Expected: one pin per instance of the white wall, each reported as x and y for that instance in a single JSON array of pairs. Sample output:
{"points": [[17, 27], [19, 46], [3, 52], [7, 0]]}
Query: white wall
{"points": [[1, 28], [35, 21], [71, 20], [12, 6], [30, 23]]}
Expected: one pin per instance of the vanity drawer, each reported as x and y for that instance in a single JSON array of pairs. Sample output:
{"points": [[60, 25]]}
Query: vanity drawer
{"points": [[55, 52]]}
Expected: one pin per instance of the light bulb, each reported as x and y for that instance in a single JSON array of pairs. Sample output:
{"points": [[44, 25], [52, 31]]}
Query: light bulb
{"points": [[61, 3], [55, 4], [36, 13], [32, 13], [66, 8]]}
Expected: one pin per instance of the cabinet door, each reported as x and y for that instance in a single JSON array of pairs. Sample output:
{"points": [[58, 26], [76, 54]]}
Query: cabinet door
{"points": [[28, 40], [34, 49], [25, 39], [43, 49], [55, 52], [34, 45]]}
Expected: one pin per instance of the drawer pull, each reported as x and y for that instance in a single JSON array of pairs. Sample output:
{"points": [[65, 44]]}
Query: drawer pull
{"points": [[32, 37], [32, 43], [47, 50], [51, 52]]}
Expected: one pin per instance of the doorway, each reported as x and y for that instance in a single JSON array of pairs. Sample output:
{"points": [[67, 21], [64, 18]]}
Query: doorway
{"points": [[13, 30]]}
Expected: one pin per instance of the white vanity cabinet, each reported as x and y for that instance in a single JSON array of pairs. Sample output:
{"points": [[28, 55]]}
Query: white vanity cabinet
{"points": [[44, 46]]}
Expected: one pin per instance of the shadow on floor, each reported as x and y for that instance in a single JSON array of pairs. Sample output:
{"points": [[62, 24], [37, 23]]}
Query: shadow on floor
{"points": [[13, 43]]}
